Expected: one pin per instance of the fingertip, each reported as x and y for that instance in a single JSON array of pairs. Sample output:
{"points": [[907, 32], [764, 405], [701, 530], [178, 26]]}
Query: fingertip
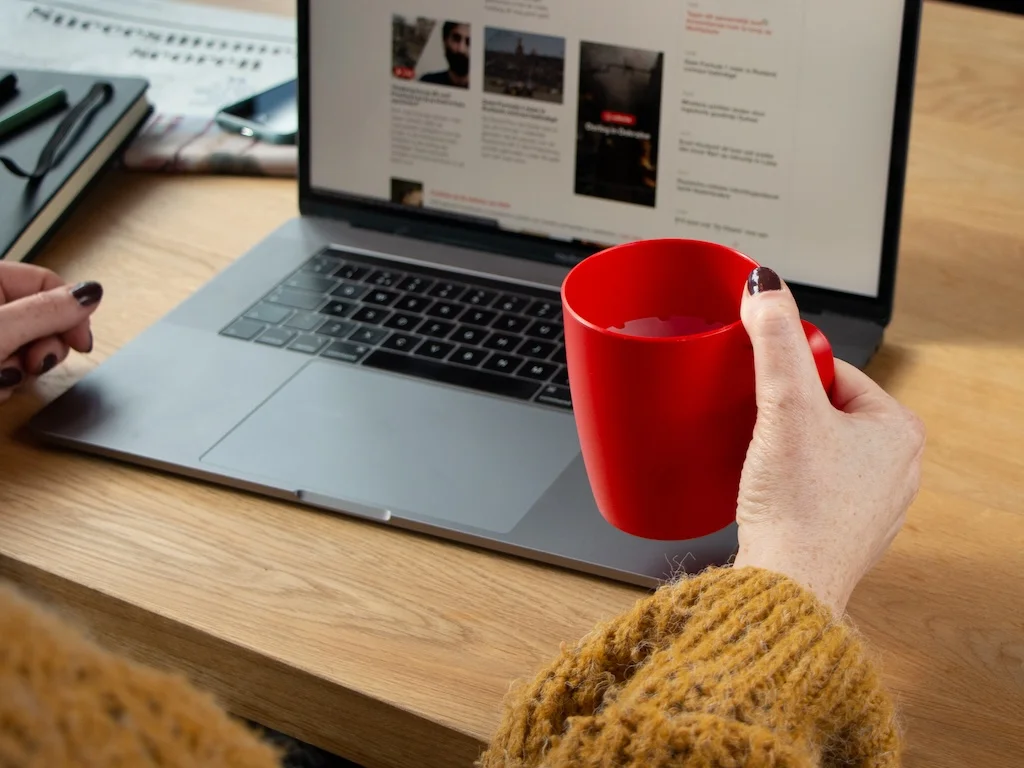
{"points": [[764, 288], [11, 375], [87, 294], [43, 355], [79, 338], [763, 280], [768, 311]]}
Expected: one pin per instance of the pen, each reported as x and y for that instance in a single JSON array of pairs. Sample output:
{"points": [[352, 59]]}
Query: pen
{"points": [[39, 108], [8, 87]]}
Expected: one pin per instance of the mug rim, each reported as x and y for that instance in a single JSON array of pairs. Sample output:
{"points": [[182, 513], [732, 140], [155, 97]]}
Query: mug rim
{"points": [[567, 307]]}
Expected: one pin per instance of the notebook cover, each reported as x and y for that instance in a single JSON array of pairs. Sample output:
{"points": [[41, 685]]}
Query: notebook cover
{"points": [[21, 202]]}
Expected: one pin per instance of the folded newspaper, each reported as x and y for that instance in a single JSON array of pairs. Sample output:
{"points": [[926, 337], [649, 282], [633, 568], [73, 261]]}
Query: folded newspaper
{"points": [[197, 59]]}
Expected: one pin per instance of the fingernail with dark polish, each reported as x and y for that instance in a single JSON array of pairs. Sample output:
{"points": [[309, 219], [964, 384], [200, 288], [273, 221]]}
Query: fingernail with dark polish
{"points": [[87, 294], [763, 279], [49, 363], [10, 377]]}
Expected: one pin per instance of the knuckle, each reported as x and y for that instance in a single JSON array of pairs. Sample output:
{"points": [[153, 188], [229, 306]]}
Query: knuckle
{"points": [[776, 319], [916, 428], [789, 400]]}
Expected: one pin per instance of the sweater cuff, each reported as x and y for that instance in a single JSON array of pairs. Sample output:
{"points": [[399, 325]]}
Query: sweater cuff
{"points": [[726, 655]]}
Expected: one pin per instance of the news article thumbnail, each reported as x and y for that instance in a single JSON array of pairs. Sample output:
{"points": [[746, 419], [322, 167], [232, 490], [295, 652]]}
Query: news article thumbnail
{"points": [[431, 52], [524, 64], [406, 192], [618, 123]]}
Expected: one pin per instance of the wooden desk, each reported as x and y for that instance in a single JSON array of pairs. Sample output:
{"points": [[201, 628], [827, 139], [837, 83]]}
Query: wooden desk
{"points": [[395, 649]]}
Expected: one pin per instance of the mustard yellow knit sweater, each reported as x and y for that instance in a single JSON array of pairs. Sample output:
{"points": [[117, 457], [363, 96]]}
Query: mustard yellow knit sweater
{"points": [[733, 669]]}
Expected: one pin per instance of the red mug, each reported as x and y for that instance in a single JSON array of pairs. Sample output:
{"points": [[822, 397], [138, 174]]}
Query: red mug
{"points": [[661, 372]]}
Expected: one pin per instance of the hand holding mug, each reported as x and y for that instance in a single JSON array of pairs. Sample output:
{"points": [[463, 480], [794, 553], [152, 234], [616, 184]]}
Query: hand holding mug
{"points": [[826, 485], [41, 318]]}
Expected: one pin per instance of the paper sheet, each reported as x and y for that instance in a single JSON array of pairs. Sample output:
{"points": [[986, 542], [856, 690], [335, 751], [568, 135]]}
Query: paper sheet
{"points": [[197, 59]]}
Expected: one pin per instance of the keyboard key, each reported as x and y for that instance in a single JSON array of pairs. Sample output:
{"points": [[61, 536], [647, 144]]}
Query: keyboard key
{"points": [[543, 329], [415, 284], [346, 351], [445, 310], [557, 396], [381, 298], [368, 335], [561, 378], [304, 321], [371, 315], [351, 272], [436, 350], [559, 356], [309, 281], [385, 278], [338, 308], [268, 313], [511, 303], [502, 342], [338, 329], [275, 337], [413, 304], [482, 317], [321, 264], [469, 335], [470, 378], [534, 369], [478, 297], [436, 328], [537, 349], [544, 310], [290, 297], [511, 324], [447, 291], [401, 342], [501, 363], [349, 290], [402, 322], [243, 329], [309, 343], [471, 356]]}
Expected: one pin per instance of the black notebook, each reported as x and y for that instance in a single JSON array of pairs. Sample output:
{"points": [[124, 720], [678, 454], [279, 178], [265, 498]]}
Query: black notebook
{"points": [[30, 210]]}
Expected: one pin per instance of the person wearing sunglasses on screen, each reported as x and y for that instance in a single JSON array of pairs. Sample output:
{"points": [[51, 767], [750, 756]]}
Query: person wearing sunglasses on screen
{"points": [[750, 665]]}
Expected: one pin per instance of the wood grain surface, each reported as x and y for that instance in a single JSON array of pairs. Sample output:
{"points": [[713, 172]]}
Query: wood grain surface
{"points": [[395, 649]]}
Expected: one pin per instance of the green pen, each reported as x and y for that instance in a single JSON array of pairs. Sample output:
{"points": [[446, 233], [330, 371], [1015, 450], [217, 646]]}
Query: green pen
{"points": [[38, 109]]}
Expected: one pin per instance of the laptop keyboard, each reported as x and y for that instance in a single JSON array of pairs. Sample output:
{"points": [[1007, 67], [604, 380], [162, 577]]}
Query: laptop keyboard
{"points": [[481, 334]]}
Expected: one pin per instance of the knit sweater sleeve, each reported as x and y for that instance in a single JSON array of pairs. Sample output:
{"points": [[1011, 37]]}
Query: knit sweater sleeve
{"points": [[67, 703], [734, 667]]}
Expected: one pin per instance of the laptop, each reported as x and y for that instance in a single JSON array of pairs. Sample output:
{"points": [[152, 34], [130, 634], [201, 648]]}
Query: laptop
{"points": [[395, 353]]}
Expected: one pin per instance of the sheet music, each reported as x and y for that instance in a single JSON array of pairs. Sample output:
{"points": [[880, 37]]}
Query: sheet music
{"points": [[197, 58]]}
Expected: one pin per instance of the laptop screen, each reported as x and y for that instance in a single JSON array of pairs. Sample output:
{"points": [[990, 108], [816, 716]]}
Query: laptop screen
{"points": [[766, 127]]}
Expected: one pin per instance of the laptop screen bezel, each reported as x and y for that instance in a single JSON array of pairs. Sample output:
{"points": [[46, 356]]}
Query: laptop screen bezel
{"points": [[479, 235]]}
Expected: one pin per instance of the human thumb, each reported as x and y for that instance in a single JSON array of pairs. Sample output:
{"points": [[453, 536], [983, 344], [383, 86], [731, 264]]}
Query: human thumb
{"points": [[784, 366], [47, 313]]}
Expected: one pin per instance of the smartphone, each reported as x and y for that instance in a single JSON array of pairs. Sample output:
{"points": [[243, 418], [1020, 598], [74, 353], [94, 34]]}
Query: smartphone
{"points": [[272, 115]]}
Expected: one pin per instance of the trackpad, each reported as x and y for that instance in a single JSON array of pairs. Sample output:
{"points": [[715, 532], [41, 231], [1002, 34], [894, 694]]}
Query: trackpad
{"points": [[407, 446]]}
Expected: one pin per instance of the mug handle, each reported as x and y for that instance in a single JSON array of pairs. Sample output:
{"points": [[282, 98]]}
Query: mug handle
{"points": [[823, 357]]}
